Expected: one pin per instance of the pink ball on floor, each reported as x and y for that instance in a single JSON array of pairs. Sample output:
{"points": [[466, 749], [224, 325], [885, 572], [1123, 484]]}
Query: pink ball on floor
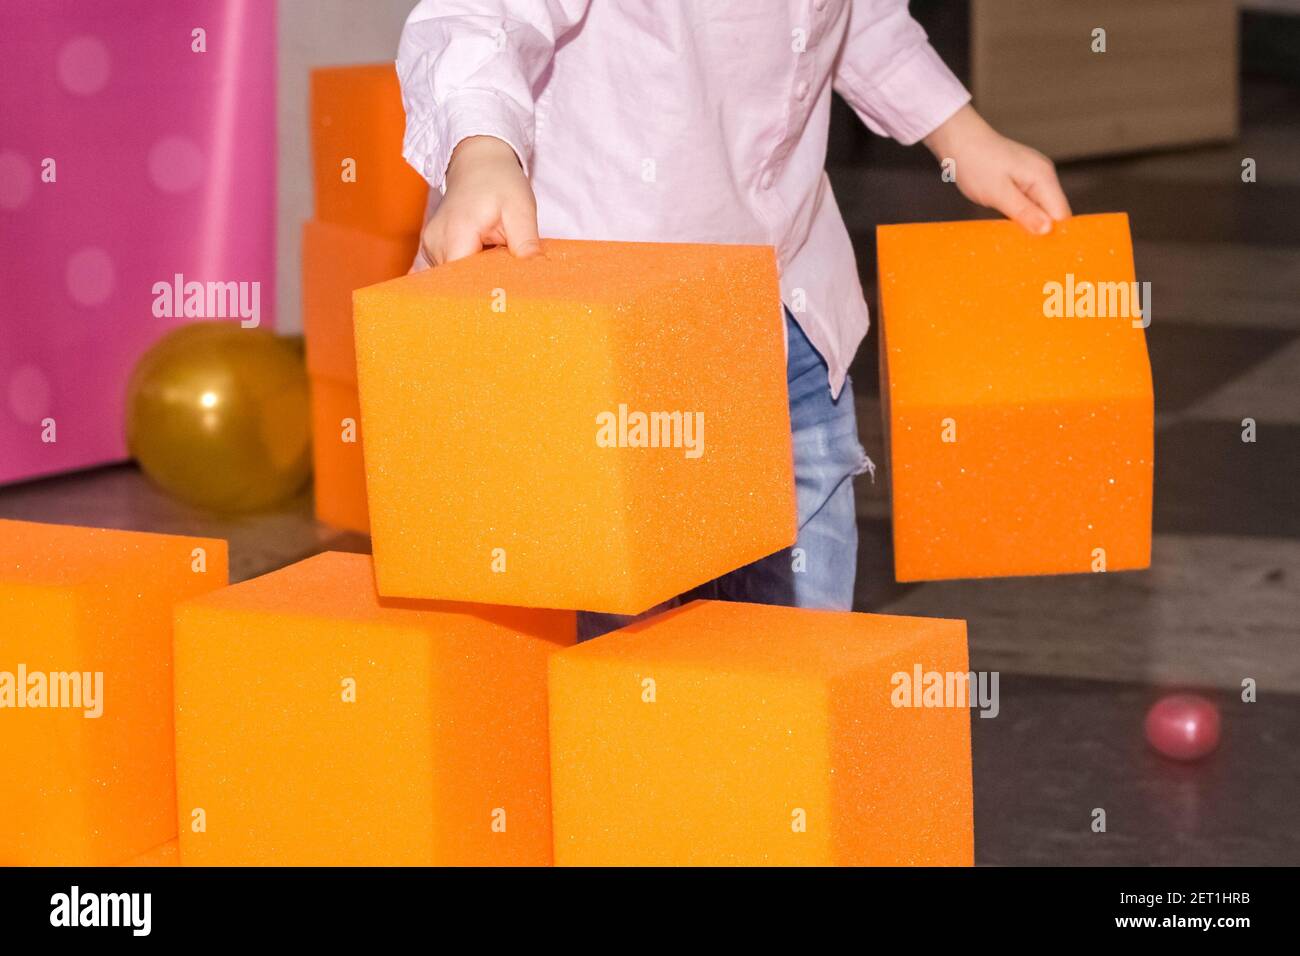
{"points": [[1183, 726]]}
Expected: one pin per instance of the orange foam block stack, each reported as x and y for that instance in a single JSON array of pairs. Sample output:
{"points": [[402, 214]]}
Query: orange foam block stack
{"points": [[338, 459], [369, 210], [1018, 398], [723, 734], [87, 774], [601, 427], [319, 725], [336, 260], [357, 125]]}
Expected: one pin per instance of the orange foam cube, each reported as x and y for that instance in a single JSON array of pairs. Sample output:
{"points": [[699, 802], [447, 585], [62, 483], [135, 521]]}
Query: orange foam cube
{"points": [[166, 854], [722, 734], [335, 261], [87, 771], [357, 125], [1020, 422], [340, 470], [318, 725], [600, 428]]}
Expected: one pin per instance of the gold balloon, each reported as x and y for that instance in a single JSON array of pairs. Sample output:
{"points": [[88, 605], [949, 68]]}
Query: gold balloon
{"points": [[218, 415]]}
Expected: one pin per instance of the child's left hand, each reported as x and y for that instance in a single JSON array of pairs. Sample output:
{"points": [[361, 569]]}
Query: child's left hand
{"points": [[997, 172]]}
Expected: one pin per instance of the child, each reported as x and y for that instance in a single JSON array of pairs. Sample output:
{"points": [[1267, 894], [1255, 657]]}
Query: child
{"points": [[701, 121]]}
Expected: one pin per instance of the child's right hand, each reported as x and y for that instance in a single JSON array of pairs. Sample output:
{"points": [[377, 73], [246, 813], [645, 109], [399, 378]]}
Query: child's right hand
{"points": [[488, 202]]}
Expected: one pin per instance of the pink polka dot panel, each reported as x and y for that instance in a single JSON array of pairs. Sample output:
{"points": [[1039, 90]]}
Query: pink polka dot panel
{"points": [[127, 159], [29, 394], [175, 164], [16, 180], [83, 65], [90, 276]]}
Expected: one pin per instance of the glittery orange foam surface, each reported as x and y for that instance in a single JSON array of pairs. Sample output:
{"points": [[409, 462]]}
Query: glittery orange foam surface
{"points": [[319, 725], [740, 734], [87, 772], [501, 399], [1018, 399]]}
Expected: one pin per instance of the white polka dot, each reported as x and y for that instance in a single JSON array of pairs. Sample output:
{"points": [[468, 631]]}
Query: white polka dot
{"points": [[90, 276], [29, 394], [16, 179], [83, 65], [175, 164]]}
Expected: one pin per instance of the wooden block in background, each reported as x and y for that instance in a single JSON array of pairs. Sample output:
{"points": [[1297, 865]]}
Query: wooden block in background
{"points": [[1168, 76]]}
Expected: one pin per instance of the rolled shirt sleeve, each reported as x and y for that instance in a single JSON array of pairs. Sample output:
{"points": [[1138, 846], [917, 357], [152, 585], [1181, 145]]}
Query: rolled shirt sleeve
{"points": [[891, 76], [469, 69]]}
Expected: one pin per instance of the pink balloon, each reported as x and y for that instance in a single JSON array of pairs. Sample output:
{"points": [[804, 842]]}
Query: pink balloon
{"points": [[1183, 726]]}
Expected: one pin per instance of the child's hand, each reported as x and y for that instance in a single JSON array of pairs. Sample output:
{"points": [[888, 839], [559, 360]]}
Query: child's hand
{"points": [[994, 171], [488, 202]]}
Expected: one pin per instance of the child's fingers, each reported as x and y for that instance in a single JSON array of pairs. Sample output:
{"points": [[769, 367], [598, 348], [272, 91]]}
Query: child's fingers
{"points": [[459, 243], [519, 221], [1042, 186], [1016, 205], [422, 259]]}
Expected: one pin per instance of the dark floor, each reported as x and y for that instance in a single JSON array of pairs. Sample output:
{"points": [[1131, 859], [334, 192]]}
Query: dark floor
{"points": [[1081, 657]]}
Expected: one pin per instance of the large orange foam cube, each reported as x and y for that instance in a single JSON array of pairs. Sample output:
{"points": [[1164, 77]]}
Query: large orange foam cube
{"points": [[741, 734], [317, 725], [87, 771], [1020, 427], [357, 125], [164, 855], [511, 456], [335, 261], [338, 462]]}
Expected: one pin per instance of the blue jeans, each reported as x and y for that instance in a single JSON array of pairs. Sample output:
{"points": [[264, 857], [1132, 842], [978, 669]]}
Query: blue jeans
{"points": [[819, 571]]}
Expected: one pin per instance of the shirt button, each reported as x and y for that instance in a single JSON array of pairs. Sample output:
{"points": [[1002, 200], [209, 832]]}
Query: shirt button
{"points": [[819, 4], [767, 180], [801, 90]]}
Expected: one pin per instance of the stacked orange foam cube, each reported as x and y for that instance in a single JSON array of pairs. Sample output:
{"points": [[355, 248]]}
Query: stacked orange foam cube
{"points": [[369, 210], [740, 734], [339, 463], [164, 855], [1019, 406], [601, 427], [317, 724], [357, 126], [88, 771], [336, 260]]}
